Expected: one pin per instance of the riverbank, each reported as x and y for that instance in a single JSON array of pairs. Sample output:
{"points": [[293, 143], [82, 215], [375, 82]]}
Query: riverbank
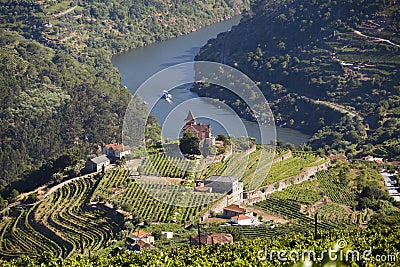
{"points": [[139, 64]]}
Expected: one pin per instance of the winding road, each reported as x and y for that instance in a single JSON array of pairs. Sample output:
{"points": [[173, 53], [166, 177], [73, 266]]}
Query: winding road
{"points": [[376, 39]]}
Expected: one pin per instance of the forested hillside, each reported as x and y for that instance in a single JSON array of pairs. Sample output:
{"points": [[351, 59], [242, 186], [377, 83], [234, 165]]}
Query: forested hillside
{"points": [[58, 88], [317, 60]]}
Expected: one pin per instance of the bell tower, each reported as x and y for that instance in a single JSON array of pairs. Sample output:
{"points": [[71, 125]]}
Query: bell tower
{"points": [[190, 119]]}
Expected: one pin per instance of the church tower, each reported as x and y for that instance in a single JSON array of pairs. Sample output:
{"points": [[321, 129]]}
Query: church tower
{"points": [[190, 119]]}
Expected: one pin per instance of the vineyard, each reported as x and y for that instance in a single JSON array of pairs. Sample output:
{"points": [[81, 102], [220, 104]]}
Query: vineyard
{"points": [[255, 169], [161, 165], [325, 184], [291, 210], [250, 169], [292, 166], [57, 224], [324, 194], [152, 200], [380, 241]]}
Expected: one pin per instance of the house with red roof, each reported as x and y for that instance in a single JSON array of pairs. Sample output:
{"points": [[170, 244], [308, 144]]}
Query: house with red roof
{"points": [[116, 150], [233, 210], [372, 158], [243, 219], [337, 156], [139, 240], [202, 131]]}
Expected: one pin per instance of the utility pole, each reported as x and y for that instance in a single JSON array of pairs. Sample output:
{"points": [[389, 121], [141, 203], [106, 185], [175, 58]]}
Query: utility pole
{"points": [[315, 225], [81, 242], [198, 233]]}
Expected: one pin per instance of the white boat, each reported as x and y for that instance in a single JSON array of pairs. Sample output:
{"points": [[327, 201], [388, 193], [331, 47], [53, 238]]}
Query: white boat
{"points": [[167, 96]]}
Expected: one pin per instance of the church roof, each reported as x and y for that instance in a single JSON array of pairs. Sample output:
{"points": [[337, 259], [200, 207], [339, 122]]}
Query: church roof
{"points": [[198, 128], [190, 116]]}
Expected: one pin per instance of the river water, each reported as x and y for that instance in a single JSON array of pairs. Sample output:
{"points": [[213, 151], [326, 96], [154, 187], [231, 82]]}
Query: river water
{"points": [[138, 65]]}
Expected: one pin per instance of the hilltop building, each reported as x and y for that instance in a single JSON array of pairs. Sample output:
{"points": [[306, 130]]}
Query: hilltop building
{"points": [[202, 131]]}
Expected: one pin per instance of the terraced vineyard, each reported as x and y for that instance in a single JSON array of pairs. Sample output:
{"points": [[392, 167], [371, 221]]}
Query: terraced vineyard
{"points": [[291, 210], [309, 192], [152, 199], [306, 192], [244, 166], [333, 212], [335, 191], [56, 224], [161, 165], [291, 166], [325, 184]]}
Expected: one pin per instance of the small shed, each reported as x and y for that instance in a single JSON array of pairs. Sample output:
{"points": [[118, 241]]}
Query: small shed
{"points": [[97, 163], [167, 235]]}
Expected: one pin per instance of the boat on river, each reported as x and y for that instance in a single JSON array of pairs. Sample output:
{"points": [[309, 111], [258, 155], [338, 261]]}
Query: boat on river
{"points": [[167, 96]]}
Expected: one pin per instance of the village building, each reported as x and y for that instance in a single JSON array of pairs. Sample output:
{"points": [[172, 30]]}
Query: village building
{"points": [[202, 131], [139, 240], [337, 156], [212, 239], [140, 245], [372, 158], [97, 164], [230, 186], [167, 235], [116, 151], [233, 210], [243, 219], [224, 184]]}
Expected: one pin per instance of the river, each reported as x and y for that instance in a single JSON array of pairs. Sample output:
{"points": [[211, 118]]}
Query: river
{"points": [[137, 65]]}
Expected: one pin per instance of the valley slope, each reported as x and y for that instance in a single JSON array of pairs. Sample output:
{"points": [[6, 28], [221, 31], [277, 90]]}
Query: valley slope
{"points": [[328, 68]]}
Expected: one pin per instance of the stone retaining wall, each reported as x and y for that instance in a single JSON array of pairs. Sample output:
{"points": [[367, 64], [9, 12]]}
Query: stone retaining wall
{"points": [[255, 195]]}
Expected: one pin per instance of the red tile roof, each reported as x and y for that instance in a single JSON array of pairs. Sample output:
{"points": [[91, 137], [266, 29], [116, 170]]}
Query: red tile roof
{"points": [[235, 208], [197, 128], [202, 188], [140, 233], [339, 156], [240, 217], [119, 147]]}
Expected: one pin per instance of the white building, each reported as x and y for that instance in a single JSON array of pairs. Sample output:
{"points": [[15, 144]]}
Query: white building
{"points": [[96, 164], [116, 150], [243, 219], [372, 158], [167, 235]]}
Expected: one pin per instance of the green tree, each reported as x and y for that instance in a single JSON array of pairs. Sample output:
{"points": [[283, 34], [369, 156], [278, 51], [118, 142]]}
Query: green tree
{"points": [[57, 177], [3, 203], [189, 144], [13, 195]]}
